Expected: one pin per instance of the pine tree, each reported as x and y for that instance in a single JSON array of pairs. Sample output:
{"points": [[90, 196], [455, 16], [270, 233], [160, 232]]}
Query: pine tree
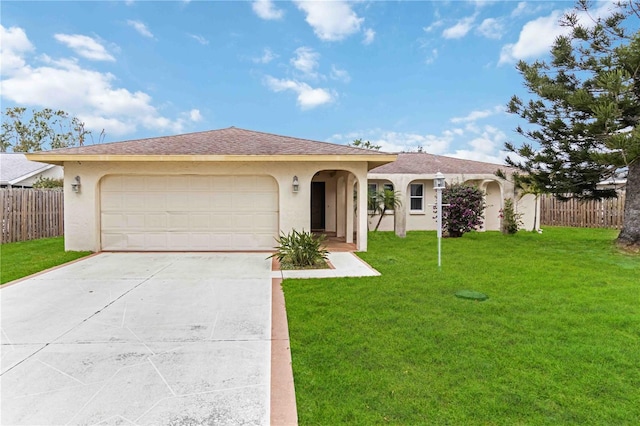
{"points": [[584, 119]]}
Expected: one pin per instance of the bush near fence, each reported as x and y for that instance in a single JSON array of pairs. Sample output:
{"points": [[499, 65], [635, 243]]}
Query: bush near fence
{"points": [[29, 214], [607, 213]]}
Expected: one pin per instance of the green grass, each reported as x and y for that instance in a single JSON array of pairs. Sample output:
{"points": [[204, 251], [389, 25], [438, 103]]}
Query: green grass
{"points": [[557, 342], [19, 260]]}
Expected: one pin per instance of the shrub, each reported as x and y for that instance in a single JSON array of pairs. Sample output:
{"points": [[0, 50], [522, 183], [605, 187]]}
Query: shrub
{"points": [[48, 183], [301, 250], [465, 208], [511, 221]]}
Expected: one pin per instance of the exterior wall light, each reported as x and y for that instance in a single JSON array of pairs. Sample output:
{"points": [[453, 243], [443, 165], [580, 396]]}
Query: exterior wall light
{"points": [[296, 184], [75, 186]]}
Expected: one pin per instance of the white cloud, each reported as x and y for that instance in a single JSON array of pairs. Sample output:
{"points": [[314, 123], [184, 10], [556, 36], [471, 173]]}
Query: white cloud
{"points": [[195, 116], [306, 61], [341, 75], [369, 36], [431, 57], [331, 20], [535, 39], [14, 45], [477, 115], [308, 97], [460, 29], [390, 141], [521, 9], [484, 147], [265, 9], [267, 56], [203, 41], [140, 27], [434, 25], [491, 28], [91, 95], [537, 36], [85, 46]]}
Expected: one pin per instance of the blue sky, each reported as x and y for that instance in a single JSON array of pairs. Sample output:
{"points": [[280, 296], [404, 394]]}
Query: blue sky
{"points": [[404, 75]]}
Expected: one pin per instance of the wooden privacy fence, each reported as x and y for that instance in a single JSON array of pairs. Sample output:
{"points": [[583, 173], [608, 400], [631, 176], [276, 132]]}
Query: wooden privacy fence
{"points": [[28, 214], [607, 213]]}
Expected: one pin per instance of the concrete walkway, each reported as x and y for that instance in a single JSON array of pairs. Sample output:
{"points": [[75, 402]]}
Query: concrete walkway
{"points": [[139, 338], [344, 264]]}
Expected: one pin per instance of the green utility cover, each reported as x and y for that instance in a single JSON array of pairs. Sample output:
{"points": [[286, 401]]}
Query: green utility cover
{"points": [[471, 295]]}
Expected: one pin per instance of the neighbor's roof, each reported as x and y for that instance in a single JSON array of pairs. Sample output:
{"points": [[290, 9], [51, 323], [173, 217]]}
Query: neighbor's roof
{"points": [[423, 163], [14, 168], [212, 145]]}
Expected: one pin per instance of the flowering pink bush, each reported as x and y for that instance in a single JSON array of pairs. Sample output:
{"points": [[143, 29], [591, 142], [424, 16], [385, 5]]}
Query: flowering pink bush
{"points": [[465, 208]]}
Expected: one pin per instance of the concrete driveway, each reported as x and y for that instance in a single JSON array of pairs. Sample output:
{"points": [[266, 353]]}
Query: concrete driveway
{"points": [[139, 338]]}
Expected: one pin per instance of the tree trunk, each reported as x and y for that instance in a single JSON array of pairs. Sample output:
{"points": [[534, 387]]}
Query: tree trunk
{"points": [[384, 209], [629, 237]]}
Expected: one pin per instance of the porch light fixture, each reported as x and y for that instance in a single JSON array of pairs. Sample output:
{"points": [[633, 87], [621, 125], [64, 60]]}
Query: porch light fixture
{"points": [[75, 185], [296, 184], [438, 185], [438, 182]]}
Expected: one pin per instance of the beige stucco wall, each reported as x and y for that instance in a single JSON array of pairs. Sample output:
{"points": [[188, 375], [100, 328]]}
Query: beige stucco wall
{"points": [[82, 210], [530, 210], [495, 188]]}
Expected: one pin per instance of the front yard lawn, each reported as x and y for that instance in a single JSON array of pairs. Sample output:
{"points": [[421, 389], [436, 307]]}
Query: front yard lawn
{"points": [[557, 342], [21, 259]]}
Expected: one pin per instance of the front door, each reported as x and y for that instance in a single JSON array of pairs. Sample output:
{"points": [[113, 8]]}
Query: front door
{"points": [[317, 207]]}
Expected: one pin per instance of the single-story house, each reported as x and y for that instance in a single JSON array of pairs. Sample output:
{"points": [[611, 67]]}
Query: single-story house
{"points": [[236, 189], [227, 189], [412, 175], [16, 171]]}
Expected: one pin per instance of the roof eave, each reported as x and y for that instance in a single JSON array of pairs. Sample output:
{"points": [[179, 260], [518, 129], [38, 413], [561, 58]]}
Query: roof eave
{"points": [[374, 160]]}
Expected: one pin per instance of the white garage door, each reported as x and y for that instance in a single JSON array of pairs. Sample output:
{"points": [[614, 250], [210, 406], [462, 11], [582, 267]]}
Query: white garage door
{"points": [[189, 212]]}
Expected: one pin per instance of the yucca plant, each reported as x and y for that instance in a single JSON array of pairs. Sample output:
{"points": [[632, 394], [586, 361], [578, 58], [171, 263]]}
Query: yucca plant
{"points": [[300, 249]]}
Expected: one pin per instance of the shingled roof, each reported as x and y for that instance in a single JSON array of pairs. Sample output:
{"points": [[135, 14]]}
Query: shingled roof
{"points": [[14, 167], [422, 163], [229, 141]]}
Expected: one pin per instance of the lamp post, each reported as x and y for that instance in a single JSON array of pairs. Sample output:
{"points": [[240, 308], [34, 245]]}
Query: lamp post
{"points": [[438, 185]]}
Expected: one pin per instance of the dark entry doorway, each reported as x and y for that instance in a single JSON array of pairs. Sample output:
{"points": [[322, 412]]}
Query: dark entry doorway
{"points": [[317, 207]]}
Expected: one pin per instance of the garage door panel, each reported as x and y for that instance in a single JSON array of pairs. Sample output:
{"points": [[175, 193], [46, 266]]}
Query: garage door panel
{"points": [[113, 221], [199, 221], [154, 201], [189, 212], [178, 221], [221, 202], [221, 222], [115, 241], [134, 183], [265, 222], [156, 221], [132, 201], [112, 203]]}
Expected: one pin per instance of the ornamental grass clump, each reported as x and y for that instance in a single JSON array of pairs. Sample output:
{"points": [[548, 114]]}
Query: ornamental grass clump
{"points": [[301, 250], [463, 207]]}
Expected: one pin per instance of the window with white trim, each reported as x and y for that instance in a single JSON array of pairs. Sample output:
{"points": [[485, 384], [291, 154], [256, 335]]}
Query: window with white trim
{"points": [[416, 198], [372, 189]]}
